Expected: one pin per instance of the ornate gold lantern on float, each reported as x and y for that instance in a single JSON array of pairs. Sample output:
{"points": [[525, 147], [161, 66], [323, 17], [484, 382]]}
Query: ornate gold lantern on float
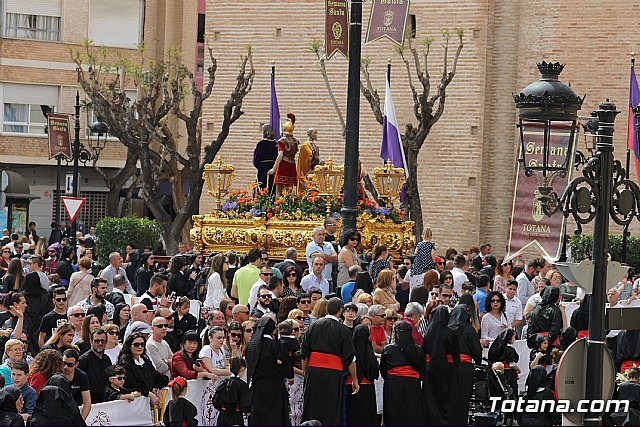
{"points": [[328, 179], [388, 182], [219, 177]]}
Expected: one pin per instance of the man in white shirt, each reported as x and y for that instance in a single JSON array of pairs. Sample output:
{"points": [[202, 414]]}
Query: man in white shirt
{"points": [[157, 348], [318, 247], [513, 306], [115, 267], [263, 282], [525, 286], [316, 277], [460, 265]]}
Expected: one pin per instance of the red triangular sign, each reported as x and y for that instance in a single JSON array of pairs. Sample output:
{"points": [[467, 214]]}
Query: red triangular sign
{"points": [[73, 205]]}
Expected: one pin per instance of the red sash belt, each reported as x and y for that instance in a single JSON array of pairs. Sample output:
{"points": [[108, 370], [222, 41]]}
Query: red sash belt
{"points": [[628, 364], [583, 334], [325, 360], [463, 358], [506, 365], [349, 380], [404, 371]]}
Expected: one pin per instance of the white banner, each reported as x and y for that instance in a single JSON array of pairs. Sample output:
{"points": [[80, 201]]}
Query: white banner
{"points": [[200, 393], [121, 413]]}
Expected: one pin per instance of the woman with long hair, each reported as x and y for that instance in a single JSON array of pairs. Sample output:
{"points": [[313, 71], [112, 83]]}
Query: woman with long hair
{"points": [[385, 290], [5, 258], [62, 338], [291, 280], [402, 367], [12, 281], [80, 282], [41, 247], [121, 317], [348, 255], [178, 282], [46, 364], [226, 307], [381, 261], [361, 407], [320, 309], [470, 352], [113, 347], [90, 323], [217, 281], [468, 300], [287, 304], [213, 355], [503, 276], [144, 272], [183, 362], [494, 320], [425, 255], [183, 320], [248, 326], [142, 376], [431, 280], [66, 266], [234, 344]]}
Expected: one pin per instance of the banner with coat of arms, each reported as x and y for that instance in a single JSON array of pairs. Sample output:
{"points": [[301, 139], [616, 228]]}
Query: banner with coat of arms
{"points": [[530, 228], [388, 19], [336, 28]]}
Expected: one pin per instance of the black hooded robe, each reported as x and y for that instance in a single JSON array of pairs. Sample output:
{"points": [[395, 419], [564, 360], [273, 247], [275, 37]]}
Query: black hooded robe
{"points": [[361, 407], [537, 390], [267, 370], [234, 399], [439, 342], [180, 413], [55, 405], [323, 386], [402, 367], [501, 351], [470, 351], [9, 415], [547, 317]]}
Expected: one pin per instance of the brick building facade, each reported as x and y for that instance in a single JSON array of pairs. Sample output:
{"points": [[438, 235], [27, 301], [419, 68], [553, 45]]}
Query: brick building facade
{"points": [[466, 164]]}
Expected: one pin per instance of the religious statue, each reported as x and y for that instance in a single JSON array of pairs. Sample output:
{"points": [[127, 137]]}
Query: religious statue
{"points": [[308, 158], [264, 157], [284, 168]]}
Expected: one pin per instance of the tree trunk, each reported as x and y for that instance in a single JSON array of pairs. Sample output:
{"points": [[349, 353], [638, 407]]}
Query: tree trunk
{"points": [[412, 195]]}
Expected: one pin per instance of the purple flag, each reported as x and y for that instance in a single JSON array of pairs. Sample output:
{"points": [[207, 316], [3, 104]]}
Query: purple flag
{"points": [[632, 135], [391, 148], [274, 116]]}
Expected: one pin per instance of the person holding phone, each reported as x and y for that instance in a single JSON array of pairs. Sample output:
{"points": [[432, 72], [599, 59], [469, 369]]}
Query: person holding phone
{"points": [[184, 362]]}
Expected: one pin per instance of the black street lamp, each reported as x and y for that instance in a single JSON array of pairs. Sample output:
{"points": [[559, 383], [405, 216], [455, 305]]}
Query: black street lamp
{"points": [[602, 191]]}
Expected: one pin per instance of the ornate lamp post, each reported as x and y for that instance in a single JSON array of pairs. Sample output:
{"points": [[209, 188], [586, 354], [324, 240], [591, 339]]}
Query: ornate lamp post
{"points": [[603, 190], [388, 182], [328, 178], [219, 177]]}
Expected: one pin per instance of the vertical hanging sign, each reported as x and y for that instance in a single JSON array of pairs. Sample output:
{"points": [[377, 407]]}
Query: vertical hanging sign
{"points": [[388, 19], [336, 28], [530, 228], [59, 137]]}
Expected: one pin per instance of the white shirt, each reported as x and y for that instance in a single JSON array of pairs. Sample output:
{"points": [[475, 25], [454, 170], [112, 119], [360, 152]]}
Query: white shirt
{"points": [[534, 300], [311, 280], [513, 309], [525, 288], [459, 277], [253, 293], [215, 291], [160, 354], [217, 360], [327, 249], [491, 327]]}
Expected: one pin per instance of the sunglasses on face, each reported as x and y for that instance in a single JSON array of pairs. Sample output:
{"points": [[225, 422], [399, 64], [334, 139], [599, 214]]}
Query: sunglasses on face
{"points": [[100, 341], [354, 239], [446, 295], [264, 259], [495, 300], [162, 325], [291, 275], [78, 315], [6, 252], [305, 301], [112, 332], [121, 378], [235, 335], [137, 344], [392, 319], [299, 318], [267, 274], [380, 315], [265, 296], [61, 299], [440, 263], [69, 364], [249, 330], [448, 278]]}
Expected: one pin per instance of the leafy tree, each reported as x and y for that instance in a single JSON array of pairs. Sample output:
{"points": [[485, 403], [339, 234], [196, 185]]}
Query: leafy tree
{"points": [[428, 105], [166, 93], [114, 234]]}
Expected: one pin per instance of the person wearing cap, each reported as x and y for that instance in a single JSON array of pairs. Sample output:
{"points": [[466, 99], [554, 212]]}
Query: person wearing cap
{"points": [[139, 313], [94, 363], [139, 327]]}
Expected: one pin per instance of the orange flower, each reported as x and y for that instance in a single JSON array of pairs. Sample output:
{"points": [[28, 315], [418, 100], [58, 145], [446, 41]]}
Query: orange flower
{"points": [[279, 201]]}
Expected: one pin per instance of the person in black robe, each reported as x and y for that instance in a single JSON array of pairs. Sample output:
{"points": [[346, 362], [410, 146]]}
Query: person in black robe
{"points": [[361, 407], [264, 156], [537, 390], [179, 410], [580, 317], [55, 405], [546, 318], [502, 351], [232, 397], [402, 367], [267, 368], [470, 352], [39, 303], [440, 345], [326, 351], [629, 390], [9, 414], [627, 347]]}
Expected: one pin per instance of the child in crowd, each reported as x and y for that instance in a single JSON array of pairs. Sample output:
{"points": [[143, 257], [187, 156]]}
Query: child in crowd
{"points": [[288, 341], [540, 353], [232, 396], [115, 389], [179, 411], [19, 373]]}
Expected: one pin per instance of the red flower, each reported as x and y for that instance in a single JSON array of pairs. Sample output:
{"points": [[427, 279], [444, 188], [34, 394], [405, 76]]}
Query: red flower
{"points": [[269, 215]]}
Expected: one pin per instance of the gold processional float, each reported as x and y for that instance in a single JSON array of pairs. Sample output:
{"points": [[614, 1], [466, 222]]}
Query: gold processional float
{"points": [[247, 219]]}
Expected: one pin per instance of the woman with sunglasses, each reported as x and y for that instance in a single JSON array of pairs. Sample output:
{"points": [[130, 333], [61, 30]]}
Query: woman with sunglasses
{"points": [[247, 332], [121, 317], [348, 255], [291, 282], [503, 276], [494, 320], [142, 376], [4, 260], [390, 319], [226, 307], [184, 363], [113, 347], [80, 282], [234, 344], [217, 281], [298, 315], [62, 338]]}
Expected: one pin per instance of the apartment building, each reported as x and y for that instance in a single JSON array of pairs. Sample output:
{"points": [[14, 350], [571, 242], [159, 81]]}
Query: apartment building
{"points": [[37, 74]]}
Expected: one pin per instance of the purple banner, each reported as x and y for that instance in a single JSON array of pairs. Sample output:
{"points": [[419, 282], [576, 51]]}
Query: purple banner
{"points": [[530, 228], [388, 19], [336, 28], [59, 137]]}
